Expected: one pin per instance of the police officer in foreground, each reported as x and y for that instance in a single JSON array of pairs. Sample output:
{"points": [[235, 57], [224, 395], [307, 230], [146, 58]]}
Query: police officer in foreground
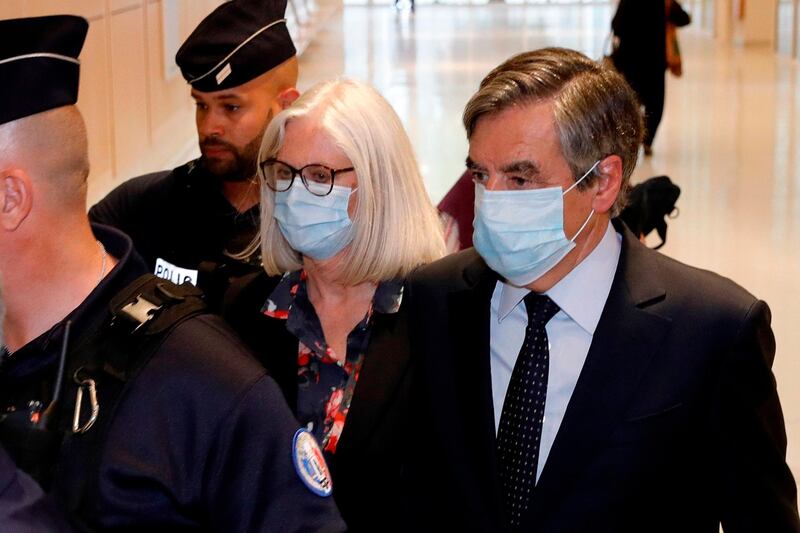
{"points": [[188, 223], [130, 404]]}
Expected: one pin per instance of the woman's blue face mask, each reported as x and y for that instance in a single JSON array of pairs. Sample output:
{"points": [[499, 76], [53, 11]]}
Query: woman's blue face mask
{"points": [[316, 226]]}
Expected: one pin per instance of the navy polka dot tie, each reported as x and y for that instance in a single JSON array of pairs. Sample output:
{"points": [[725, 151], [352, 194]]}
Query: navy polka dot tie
{"points": [[520, 430]]}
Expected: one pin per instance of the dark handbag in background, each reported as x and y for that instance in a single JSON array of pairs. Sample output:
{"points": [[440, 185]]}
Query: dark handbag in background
{"points": [[649, 203]]}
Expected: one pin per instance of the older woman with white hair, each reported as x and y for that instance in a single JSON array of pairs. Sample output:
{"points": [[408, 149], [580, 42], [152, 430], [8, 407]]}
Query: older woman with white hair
{"points": [[344, 218]]}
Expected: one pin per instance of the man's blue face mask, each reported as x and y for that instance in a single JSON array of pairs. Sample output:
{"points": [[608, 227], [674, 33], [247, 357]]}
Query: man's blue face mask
{"points": [[520, 234]]}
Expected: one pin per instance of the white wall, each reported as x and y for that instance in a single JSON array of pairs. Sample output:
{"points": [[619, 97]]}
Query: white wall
{"points": [[757, 27], [139, 119]]}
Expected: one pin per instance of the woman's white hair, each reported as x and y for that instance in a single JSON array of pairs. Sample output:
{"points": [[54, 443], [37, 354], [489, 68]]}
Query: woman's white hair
{"points": [[396, 226]]}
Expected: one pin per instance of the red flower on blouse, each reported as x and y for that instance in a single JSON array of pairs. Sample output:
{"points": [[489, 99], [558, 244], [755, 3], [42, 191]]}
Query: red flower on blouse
{"points": [[324, 397]]}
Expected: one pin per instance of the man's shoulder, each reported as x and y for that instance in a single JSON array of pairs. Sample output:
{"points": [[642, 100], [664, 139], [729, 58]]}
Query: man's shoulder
{"points": [[201, 423], [453, 272], [205, 351], [148, 182], [247, 294], [697, 293], [139, 202], [151, 183], [145, 188], [201, 369]]}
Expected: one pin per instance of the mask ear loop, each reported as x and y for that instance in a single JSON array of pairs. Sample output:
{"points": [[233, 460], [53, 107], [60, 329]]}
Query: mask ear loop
{"points": [[582, 177], [591, 214]]}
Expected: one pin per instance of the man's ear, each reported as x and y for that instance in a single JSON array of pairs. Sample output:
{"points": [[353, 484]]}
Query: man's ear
{"points": [[608, 183], [287, 96], [16, 198]]}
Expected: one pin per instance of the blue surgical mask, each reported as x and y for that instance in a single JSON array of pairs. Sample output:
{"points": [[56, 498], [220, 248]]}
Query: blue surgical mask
{"points": [[316, 226], [520, 234]]}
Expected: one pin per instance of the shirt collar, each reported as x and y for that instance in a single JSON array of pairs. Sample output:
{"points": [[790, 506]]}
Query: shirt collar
{"points": [[582, 293], [387, 299]]}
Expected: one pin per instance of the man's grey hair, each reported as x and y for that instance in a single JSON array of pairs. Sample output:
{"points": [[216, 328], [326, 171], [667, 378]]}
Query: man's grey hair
{"points": [[596, 112]]}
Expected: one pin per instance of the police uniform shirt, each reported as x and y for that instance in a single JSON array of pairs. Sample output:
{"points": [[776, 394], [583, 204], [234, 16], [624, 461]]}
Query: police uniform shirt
{"points": [[23, 506], [200, 440], [183, 226]]}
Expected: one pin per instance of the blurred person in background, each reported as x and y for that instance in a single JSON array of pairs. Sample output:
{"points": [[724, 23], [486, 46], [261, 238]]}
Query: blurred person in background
{"points": [[645, 49]]}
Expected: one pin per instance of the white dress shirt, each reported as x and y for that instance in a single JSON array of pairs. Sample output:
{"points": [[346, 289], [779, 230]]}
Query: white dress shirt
{"points": [[581, 295]]}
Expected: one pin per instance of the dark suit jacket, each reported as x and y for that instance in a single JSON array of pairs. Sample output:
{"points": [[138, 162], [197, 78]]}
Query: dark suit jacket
{"points": [[674, 424], [366, 468]]}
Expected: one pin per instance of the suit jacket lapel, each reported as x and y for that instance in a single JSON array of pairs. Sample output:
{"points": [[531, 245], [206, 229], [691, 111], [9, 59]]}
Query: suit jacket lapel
{"points": [[625, 340], [278, 353], [268, 338], [469, 315], [385, 366]]}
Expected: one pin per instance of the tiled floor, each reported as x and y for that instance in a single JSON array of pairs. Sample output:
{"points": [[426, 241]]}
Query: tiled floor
{"points": [[730, 137]]}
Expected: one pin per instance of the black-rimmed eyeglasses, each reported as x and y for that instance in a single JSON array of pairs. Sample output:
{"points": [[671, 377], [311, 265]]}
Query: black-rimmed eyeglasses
{"points": [[318, 179]]}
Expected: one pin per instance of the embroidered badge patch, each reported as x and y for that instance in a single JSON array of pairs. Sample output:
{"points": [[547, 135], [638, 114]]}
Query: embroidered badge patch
{"points": [[310, 463]]}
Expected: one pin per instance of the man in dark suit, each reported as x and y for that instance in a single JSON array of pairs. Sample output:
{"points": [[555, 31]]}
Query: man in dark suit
{"points": [[572, 379]]}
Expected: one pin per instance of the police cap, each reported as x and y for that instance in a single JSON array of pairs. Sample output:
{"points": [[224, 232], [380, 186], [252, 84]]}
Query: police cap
{"points": [[238, 41], [39, 65]]}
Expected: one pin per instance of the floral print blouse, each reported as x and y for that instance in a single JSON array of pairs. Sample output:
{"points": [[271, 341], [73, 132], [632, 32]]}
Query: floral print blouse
{"points": [[324, 386]]}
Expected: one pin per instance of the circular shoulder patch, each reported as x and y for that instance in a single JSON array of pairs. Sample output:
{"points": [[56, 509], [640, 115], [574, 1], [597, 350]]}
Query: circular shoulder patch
{"points": [[310, 463]]}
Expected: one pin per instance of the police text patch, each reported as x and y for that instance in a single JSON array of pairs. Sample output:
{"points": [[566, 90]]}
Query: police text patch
{"points": [[177, 275]]}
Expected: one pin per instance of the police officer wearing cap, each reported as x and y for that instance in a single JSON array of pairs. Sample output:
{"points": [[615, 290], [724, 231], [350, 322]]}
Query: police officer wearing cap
{"points": [[119, 393], [188, 224]]}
